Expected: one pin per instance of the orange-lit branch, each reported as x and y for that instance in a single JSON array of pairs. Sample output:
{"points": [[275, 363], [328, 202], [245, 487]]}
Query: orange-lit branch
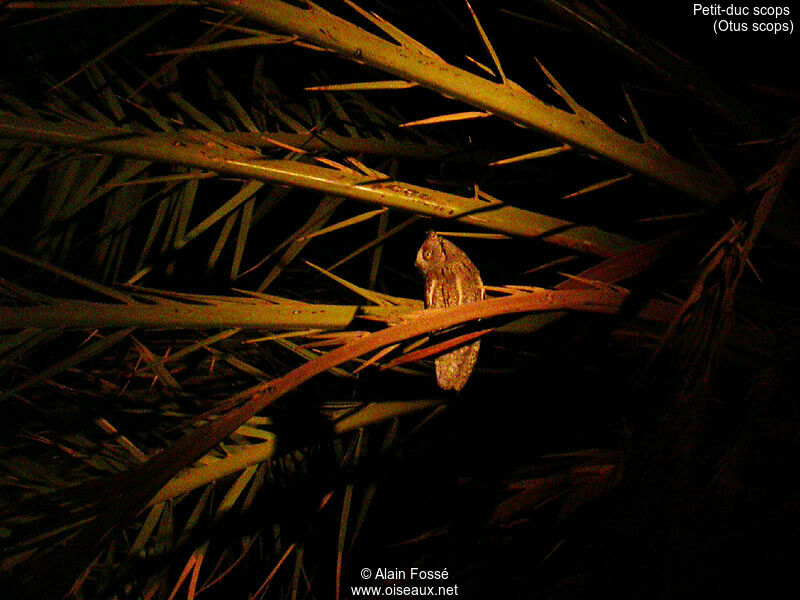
{"points": [[133, 490]]}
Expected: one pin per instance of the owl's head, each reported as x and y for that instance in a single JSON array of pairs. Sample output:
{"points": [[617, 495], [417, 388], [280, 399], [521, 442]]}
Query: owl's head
{"points": [[432, 253]]}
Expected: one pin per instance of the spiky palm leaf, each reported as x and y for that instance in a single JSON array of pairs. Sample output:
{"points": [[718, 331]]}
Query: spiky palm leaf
{"points": [[167, 195]]}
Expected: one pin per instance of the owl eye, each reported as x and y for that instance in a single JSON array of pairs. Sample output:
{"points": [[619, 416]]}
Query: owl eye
{"points": [[427, 254]]}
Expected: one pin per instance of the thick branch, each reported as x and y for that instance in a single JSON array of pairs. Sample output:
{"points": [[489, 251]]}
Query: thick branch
{"points": [[177, 315], [506, 100], [171, 148], [132, 491]]}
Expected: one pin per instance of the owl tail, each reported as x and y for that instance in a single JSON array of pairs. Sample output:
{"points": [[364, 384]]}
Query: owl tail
{"points": [[454, 368]]}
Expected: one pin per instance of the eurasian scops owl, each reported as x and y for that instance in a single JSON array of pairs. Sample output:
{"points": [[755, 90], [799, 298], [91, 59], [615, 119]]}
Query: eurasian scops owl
{"points": [[450, 280]]}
